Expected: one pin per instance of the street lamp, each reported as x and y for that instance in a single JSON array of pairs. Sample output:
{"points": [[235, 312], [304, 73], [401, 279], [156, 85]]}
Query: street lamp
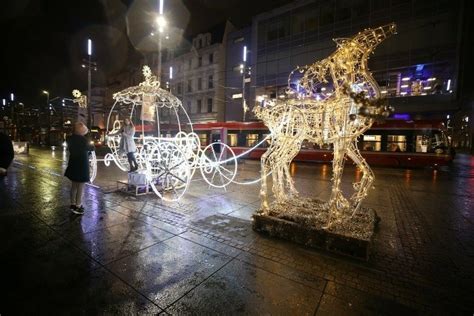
{"points": [[161, 23], [49, 115], [243, 69], [89, 64]]}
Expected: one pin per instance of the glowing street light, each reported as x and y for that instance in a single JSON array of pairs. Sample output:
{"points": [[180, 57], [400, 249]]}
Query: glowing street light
{"points": [[161, 22], [171, 72], [89, 47], [161, 7], [12, 97], [245, 54]]}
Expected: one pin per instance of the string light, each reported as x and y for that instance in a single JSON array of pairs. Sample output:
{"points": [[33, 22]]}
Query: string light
{"points": [[338, 118]]}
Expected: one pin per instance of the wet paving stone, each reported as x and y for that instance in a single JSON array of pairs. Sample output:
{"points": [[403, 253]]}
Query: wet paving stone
{"points": [[240, 288], [116, 242], [168, 270]]}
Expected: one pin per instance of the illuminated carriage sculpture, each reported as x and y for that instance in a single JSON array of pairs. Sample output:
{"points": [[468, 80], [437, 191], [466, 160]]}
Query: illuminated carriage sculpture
{"points": [[169, 162]]}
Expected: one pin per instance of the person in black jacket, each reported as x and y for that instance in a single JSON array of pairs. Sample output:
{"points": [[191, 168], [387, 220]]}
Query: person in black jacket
{"points": [[6, 153], [78, 165]]}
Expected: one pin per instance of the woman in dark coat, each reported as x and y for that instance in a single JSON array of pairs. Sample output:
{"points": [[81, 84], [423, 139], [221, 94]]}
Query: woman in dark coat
{"points": [[6, 153], [78, 165]]}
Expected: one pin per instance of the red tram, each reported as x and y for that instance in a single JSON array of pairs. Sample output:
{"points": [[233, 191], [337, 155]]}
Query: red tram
{"points": [[394, 143]]}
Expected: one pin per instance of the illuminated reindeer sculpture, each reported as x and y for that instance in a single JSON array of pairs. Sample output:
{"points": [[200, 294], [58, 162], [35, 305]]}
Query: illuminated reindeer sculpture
{"points": [[336, 118]]}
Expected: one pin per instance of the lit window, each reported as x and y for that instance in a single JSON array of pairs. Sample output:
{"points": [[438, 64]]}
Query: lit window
{"points": [[396, 143], [203, 139], [251, 140], [232, 140], [371, 143], [237, 96]]}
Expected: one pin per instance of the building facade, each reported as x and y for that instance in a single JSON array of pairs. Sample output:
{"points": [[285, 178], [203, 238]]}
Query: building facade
{"points": [[197, 77], [418, 69]]}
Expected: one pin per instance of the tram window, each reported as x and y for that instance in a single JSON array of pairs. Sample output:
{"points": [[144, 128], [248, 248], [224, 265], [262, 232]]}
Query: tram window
{"points": [[396, 143], [266, 143], [203, 139], [251, 140], [232, 140], [422, 143], [372, 143]]}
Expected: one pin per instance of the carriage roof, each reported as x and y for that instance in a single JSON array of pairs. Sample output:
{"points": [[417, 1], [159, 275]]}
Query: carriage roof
{"points": [[150, 88]]}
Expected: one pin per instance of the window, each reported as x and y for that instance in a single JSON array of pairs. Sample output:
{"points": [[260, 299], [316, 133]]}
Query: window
{"points": [[203, 139], [209, 105], [199, 61], [396, 143], [211, 58], [422, 143], [188, 104], [210, 82], [237, 96], [190, 63], [179, 87], [199, 106], [190, 85], [251, 140], [232, 140], [371, 143], [199, 83]]}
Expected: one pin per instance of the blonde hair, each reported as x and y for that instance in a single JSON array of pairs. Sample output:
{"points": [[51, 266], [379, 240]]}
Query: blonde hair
{"points": [[80, 129]]}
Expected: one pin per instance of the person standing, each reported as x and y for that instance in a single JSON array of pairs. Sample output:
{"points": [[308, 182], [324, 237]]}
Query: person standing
{"points": [[127, 143], [78, 165], [6, 153]]}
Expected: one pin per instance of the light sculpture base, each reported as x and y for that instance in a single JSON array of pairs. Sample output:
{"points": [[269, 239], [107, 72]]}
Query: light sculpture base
{"points": [[303, 221]]}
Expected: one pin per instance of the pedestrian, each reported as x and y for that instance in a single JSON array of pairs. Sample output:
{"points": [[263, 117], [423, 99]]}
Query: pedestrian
{"points": [[6, 153], [127, 143], [78, 165]]}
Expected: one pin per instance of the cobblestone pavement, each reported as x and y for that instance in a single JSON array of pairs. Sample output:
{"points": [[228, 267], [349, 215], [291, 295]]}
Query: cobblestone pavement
{"points": [[139, 255]]}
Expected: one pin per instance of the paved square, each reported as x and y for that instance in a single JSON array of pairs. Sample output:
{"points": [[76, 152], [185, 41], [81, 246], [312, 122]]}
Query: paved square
{"points": [[140, 255]]}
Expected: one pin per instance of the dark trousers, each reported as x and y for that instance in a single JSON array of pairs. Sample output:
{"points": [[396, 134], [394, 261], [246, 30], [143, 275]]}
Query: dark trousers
{"points": [[132, 161]]}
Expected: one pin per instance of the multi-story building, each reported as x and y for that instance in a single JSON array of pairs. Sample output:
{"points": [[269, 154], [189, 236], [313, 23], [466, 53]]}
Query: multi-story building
{"points": [[418, 69], [198, 75], [237, 74]]}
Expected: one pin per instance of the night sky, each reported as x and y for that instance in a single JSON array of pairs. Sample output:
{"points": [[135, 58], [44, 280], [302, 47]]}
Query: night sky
{"points": [[44, 42]]}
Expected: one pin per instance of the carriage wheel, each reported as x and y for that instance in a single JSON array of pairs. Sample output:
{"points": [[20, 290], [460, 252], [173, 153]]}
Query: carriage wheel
{"points": [[92, 166], [218, 165], [168, 171]]}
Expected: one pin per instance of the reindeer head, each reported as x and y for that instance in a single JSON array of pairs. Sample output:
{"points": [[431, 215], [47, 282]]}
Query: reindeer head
{"points": [[368, 39]]}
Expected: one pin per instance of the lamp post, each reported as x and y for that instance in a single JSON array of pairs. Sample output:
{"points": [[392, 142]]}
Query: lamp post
{"points": [[243, 70], [48, 111], [90, 65], [161, 23]]}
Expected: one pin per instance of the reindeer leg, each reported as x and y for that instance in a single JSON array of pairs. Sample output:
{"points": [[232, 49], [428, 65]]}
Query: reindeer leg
{"points": [[365, 182], [295, 147], [265, 167], [337, 202]]}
